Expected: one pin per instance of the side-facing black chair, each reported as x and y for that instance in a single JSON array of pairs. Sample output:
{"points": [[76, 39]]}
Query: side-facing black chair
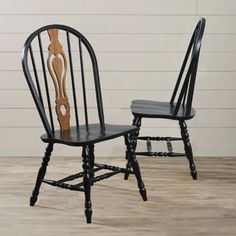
{"points": [[179, 108], [46, 69]]}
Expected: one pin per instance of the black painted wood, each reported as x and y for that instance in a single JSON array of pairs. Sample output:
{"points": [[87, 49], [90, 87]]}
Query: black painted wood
{"points": [[160, 154], [41, 174], [130, 143], [80, 132], [155, 109], [112, 170], [188, 148], [137, 123], [63, 185], [178, 108], [91, 162], [88, 135], [87, 184]]}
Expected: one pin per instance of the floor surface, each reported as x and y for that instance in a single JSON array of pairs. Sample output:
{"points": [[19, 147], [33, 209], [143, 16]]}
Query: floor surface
{"points": [[176, 204]]}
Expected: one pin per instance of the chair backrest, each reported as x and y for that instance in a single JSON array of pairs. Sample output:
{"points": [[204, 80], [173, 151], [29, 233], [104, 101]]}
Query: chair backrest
{"points": [[58, 63], [185, 94]]}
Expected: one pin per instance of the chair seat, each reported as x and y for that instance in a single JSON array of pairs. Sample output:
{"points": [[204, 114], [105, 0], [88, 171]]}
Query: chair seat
{"points": [[155, 109], [93, 134]]}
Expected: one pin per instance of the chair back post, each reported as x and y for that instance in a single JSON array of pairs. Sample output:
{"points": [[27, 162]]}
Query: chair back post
{"points": [[34, 93], [196, 51], [97, 84], [56, 67], [186, 92]]}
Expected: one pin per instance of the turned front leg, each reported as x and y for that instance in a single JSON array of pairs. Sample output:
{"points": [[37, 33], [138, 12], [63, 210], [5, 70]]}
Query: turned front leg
{"points": [[137, 123], [135, 166], [87, 184], [41, 174], [188, 148]]}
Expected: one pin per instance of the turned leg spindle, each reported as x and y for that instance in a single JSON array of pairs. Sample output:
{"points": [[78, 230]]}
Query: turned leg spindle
{"points": [[188, 148], [136, 122], [87, 184], [91, 162], [41, 174], [135, 166]]}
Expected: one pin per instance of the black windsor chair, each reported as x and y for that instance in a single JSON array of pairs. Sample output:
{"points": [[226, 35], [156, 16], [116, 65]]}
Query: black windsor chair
{"points": [[46, 69], [179, 108]]}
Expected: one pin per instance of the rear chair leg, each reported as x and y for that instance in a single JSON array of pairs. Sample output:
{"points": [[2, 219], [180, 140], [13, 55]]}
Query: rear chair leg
{"points": [[91, 162], [87, 184], [135, 166], [136, 122], [41, 174], [188, 148]]}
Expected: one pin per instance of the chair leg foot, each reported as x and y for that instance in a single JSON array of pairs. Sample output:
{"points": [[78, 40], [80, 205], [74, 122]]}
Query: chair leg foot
{"points": [[41, 174], [87, 184], [135, 167], [88, 215], [143, 193], [188, 149], [194, 174], [33, 200]]}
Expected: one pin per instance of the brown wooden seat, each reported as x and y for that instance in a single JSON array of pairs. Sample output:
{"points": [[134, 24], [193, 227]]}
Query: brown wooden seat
{"points": [[59, 65], [178, 108]]}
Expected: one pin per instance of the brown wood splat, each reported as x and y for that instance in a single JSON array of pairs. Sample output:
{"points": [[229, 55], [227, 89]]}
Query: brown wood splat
{"points": [[57, 66]]}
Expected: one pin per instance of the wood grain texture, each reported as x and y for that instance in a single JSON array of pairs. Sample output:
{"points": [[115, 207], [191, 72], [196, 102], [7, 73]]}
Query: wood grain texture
{"points": [[57, 66], [176, 205]]}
